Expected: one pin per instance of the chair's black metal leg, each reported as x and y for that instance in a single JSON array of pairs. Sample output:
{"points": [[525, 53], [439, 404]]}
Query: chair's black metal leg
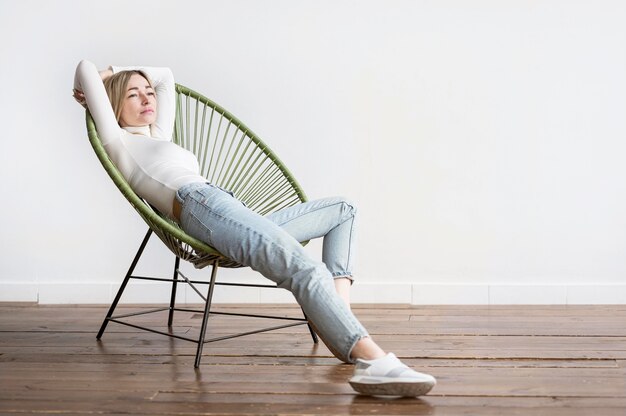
{"points": [[313, 334], [207, 310], [126, 279], [170, 319]]}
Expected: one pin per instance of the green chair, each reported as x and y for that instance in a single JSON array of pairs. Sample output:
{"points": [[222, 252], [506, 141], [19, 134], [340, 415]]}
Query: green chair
{"points": [[232, 157]]}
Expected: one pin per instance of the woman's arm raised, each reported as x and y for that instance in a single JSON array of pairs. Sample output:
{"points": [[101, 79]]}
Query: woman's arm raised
{"points": [[89, 90]]}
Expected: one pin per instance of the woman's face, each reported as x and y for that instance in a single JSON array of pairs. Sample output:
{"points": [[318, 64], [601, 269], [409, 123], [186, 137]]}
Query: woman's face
{"points": [[139, 108]]}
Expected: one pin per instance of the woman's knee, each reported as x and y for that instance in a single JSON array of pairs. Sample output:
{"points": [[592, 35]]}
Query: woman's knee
{"points": [[348, 206]]}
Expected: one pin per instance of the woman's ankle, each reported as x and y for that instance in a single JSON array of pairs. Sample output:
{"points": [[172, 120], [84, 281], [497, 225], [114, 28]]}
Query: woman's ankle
{"points": [[342, 286], [367, 349]]}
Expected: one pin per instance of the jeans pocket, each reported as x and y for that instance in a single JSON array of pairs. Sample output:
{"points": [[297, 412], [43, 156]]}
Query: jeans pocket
{"points": [[193, 225]]}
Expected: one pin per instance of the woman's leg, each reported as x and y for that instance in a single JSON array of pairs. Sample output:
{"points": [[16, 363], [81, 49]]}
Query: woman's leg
{"points": [[333, 219], [342, 287], [217, 218], [214, 216]]}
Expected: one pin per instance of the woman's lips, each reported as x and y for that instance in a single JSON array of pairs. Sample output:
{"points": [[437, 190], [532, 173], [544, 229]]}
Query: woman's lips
{"points": [[149, 110]]}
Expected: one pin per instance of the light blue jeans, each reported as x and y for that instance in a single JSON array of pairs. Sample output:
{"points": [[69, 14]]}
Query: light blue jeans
{"points": [[270, 245]]}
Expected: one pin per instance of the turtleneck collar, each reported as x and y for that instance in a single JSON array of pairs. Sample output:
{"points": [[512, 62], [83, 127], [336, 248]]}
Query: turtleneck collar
{"points": [[143, 130]]}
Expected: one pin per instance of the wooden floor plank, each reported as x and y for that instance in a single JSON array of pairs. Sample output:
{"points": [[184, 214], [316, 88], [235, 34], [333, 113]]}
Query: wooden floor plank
{"points": [[357, 407], [508, 360]]}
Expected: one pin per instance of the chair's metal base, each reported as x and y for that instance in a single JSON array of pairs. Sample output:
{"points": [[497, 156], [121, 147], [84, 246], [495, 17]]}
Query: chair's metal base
{"points": [[201, 340]]}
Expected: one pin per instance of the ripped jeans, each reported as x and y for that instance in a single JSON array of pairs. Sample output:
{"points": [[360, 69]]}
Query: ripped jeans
{"points": [[270, 245]]}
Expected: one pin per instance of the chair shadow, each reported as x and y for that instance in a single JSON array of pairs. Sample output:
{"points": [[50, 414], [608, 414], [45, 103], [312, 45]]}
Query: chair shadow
{"points": [[394, 405]]}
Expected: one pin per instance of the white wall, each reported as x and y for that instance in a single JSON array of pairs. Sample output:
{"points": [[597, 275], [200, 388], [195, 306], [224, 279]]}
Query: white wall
{"points": [[482, 140]]}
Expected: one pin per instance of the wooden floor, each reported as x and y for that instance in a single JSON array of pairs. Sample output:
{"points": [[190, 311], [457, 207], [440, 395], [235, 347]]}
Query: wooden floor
{"points": [[508, 360]]}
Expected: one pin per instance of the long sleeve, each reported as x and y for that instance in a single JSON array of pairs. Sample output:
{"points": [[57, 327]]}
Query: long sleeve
{"points": [[154, 166], [87, 79], [164, 86]]}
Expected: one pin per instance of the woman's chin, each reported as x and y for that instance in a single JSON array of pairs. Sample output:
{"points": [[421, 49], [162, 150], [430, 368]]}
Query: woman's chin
{"points": [[145, 121]]}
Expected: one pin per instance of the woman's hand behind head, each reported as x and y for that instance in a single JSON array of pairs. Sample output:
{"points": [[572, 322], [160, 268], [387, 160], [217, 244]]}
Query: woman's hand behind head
{"points": [[80, 98]]}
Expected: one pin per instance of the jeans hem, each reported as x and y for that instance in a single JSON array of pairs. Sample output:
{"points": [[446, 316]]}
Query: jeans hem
{"points": [[338, 275], [349, 358]]}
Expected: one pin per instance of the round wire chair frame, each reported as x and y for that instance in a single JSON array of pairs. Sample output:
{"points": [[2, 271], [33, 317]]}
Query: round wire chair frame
{"points": [[231, 156]]}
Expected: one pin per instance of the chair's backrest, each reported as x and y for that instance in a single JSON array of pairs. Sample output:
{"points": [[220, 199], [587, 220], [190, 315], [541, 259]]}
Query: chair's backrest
{"points": [[230, 155]]}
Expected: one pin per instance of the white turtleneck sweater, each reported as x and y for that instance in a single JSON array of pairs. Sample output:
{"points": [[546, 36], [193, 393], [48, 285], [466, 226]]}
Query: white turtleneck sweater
{"points": [[154, 167]]}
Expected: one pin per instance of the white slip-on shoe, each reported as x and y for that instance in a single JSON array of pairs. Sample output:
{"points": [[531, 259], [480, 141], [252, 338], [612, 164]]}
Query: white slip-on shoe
{"points": [[388, 376]]}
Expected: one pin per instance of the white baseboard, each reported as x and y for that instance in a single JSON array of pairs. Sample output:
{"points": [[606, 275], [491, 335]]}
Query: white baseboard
{"points": [[400, 293], [458, 294]]}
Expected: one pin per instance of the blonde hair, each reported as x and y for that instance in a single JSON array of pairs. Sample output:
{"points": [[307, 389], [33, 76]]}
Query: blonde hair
{"points": [[115, 86]]}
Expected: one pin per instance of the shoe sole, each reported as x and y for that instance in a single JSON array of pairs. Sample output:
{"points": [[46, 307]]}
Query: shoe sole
{"points": [[392, 388]]}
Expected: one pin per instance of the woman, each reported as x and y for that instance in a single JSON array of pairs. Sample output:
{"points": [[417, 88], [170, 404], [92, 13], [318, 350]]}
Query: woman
{"points": [[134, 110]]}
